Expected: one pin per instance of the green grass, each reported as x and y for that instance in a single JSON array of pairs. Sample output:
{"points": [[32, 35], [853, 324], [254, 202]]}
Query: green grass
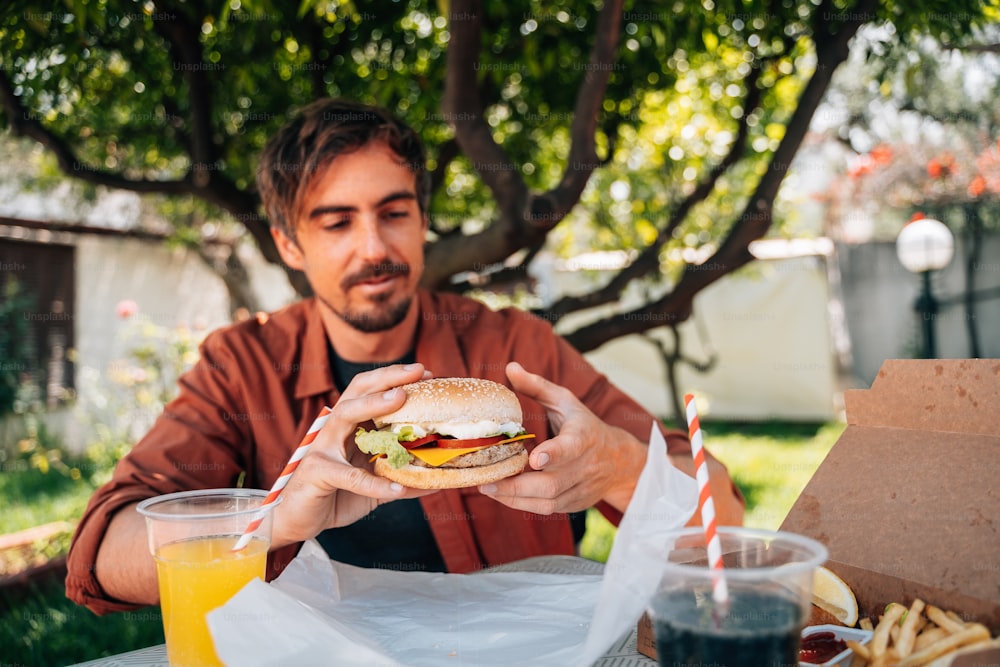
{"points": [[770, 463], [41, 627], [31, 497]]}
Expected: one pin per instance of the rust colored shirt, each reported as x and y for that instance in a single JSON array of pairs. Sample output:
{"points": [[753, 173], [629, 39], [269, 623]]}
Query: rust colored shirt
{"points": [[259, 385]]}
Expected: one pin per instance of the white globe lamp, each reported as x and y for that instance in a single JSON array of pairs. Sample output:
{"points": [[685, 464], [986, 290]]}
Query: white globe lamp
{"points": [[924, 246]]}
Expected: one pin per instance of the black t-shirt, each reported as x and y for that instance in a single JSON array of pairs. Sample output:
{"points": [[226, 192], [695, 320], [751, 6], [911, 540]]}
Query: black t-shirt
{"points": [[396, 535]]}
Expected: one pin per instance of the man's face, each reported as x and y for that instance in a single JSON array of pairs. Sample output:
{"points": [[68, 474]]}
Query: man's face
{"points": [[360, 238]]}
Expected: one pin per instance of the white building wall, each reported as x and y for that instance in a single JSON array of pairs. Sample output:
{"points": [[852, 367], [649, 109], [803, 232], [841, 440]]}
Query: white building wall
{"points": [[171, 287], [879, 296], [769, 327]]}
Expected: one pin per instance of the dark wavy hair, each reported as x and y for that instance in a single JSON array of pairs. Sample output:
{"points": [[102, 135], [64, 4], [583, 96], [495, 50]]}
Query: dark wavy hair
{"points": [[317, 135]]}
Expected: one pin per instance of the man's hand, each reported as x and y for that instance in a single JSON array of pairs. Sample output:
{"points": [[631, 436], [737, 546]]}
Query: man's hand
{"points": [[333, 485], [587, 460]]}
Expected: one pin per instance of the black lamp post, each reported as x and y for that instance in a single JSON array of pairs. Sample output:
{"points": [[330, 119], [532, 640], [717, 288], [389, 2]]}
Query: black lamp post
{"points": [[924, 246]]}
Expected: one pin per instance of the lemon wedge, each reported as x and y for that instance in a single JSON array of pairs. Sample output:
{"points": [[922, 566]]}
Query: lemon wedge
{"points": [[835, 597]]}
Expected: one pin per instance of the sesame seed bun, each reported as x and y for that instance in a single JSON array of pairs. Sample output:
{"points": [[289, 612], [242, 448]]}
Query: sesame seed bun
{"points": [[455, 400], [444, 402], [423, 477]]}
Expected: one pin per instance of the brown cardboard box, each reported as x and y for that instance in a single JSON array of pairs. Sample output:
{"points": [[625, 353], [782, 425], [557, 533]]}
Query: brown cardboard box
{"points": [[645, 637], [908, 499]]}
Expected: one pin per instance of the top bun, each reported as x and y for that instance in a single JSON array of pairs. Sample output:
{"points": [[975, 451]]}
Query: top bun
{"points": [[455, 400]]}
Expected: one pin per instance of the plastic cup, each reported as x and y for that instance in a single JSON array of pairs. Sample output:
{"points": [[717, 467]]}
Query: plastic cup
{"points": [[191, 536], [769, 576]]}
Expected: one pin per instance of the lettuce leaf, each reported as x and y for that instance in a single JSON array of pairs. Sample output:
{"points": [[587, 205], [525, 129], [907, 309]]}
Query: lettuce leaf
{"points": [[383, 442], [406, 434]]}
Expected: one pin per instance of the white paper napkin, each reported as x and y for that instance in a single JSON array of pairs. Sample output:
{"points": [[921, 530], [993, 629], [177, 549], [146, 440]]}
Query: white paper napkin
{"points": [[321, 612]]}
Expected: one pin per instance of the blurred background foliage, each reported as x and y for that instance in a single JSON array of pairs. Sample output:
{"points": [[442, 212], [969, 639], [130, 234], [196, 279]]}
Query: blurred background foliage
{"points": [[215, 79]]}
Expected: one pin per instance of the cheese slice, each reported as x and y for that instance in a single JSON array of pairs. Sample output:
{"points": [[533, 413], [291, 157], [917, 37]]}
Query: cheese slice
{"points": [[435, 456]]}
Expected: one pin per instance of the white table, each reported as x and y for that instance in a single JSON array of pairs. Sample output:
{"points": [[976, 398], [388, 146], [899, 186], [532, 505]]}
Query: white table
{"points": [[622, 654]]}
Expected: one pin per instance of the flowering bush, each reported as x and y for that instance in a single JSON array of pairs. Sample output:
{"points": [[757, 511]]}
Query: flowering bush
{"points": [[121, 404]]}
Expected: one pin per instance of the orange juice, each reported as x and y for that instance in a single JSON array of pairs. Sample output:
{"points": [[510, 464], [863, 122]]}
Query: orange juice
{"points": [[196, 576]]}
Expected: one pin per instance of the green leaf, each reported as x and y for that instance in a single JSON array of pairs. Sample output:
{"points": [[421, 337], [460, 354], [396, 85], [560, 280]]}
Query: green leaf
{"points": [[383, 442]]}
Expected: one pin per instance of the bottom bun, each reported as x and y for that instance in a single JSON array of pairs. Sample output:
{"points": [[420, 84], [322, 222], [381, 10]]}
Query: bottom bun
{"points": [[419, 477]]}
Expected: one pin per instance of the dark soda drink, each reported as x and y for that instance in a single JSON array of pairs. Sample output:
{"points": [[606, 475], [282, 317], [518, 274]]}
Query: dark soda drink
{"points": [[761, 628]]}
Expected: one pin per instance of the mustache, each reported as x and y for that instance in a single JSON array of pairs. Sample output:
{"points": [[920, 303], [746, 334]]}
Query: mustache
{"points": [[374, 271]]}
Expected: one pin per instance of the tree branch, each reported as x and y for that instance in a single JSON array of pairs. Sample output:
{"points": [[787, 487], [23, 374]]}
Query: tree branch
{"points": [[446, 152], [523, 219], [756, 218], [234, 273], [551, 207], [503, 278], [985, 47], [25, 123], [675, 307], [465, 110], [221, 192], [185, 45], [648, 260]]}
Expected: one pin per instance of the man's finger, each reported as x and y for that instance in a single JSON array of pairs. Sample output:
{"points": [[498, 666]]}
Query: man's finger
{"points": [[549, 394], [564, 449], [526, 485], [381, 379], [329, 474], [539, 493], [353, 411]]}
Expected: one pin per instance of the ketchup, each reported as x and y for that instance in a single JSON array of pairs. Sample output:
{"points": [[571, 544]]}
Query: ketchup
{"points": [[820, 647]]}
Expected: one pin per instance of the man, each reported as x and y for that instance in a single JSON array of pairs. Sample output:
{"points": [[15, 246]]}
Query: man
{"points": [[346, 191]]}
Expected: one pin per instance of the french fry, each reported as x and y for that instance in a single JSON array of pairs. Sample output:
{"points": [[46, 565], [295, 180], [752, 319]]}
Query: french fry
{"points": [[921, 635], [943, 620], [860, 650], [880, 638], [908, 631], [929, 636], [955, 617], [947, 659], [969, 635], [884, 659]]}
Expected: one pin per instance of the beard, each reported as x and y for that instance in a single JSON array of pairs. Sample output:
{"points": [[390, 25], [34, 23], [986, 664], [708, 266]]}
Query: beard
{"points": [[384, 313], [381, 317]]}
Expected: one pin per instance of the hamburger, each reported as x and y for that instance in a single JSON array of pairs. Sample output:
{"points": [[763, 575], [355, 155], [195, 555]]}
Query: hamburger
{"points": [[450, 433]]}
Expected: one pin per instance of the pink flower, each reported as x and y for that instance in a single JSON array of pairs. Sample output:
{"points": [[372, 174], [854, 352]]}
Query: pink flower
{"points": [[126, 308]]}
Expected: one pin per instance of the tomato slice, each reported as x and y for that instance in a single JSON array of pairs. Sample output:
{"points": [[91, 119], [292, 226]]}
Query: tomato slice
{"points": [[445, 442], [452, 443], [420, 442]]}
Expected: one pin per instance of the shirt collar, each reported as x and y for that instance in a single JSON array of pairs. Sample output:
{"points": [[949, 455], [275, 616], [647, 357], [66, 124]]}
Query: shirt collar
{"points": [[438, 347], [314, 375]]}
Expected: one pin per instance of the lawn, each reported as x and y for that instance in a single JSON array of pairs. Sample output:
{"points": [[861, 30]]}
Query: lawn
{"points": [[31, 497], [770, 462], [38, 625]]}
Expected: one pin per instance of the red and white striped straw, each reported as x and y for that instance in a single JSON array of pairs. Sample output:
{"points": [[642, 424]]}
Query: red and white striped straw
{"points": [[283, 478], [719, 590]]}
